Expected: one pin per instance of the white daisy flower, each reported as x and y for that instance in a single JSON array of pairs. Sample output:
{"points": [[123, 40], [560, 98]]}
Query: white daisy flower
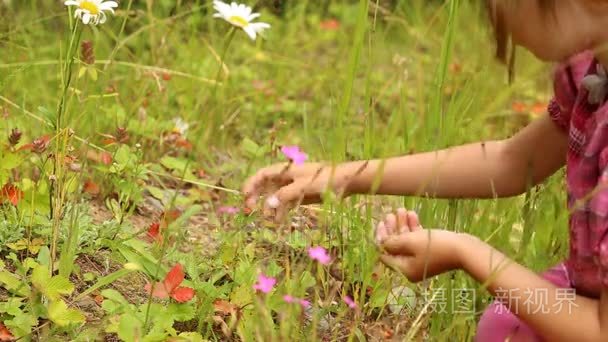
{"points": [[240, 16], [180, 126], [92, 11]]}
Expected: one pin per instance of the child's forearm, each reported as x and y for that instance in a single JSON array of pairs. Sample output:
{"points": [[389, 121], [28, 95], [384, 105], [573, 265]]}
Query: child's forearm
{"points": [[556, 314], [479, 170], [474, 170]]}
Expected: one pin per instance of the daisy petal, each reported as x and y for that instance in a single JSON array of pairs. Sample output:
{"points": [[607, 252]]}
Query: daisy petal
{"points": [[250, 32]]}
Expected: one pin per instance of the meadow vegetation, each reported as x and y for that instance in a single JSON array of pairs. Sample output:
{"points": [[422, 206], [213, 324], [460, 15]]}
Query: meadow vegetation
{"points": [[123, 147]]}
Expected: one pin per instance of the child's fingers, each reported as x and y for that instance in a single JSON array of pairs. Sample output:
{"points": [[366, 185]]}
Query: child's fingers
{"points": [[413, 221], [381, 233], [398, 244], [391, 224], [255, 185], [402, 223], [389, 260], [398, 263]]}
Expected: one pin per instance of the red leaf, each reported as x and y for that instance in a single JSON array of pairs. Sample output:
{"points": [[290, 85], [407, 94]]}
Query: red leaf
{"points": [[154, 232], [170, 216], [539, 108], [182, 294], [160, 291], [26, 147], [183, 143], [99, 157], [5, 334], [98, 299], [106, 158], [224, 307], [330, 24], [174, 278], [519, 107], [11, 193], [91, 187]]}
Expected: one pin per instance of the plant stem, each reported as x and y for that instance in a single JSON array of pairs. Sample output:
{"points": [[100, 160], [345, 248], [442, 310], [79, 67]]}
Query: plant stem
{"points": [[56, 193], [216, 114]]}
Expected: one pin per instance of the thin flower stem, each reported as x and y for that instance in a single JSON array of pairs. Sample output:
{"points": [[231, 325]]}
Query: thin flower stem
{"points": [[56, 193], [216, 115]]}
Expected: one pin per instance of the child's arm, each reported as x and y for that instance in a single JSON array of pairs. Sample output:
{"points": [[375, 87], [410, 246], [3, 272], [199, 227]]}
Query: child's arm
{"points": [[483, 170], [556, 314], [561, 317]]}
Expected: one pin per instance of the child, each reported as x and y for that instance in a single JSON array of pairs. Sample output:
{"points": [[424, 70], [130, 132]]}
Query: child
{"points": [[575, 133]]}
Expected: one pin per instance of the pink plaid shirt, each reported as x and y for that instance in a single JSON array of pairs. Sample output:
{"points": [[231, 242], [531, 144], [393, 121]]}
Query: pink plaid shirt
{"points": [[586, 123]]}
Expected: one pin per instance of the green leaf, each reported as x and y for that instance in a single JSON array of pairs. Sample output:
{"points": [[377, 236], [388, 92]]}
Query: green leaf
{"points": [[173, 163], [135, 252], [242, 295], [379, 297], [51, 287], [21, 324], [44, 256], [13, 284], [156, 192], [130, 328], [12, 306], [61, 315], [181, 312], [103, 281], [251, 148], [122, 155], [307, 280], [190, 337], [9, 161]]}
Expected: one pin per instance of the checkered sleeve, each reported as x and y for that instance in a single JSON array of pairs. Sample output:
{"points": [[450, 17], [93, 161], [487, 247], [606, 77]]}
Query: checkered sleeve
{"points": [[562, 120], [602, 259], [567, 80], [598, 219], [597, 230]]}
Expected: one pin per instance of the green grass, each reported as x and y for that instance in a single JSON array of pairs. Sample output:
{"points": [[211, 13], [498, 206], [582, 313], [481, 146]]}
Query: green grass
{"points": [[394, 78]]}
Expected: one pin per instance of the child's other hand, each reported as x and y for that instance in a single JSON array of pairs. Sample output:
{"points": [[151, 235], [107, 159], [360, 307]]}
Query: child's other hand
{"points": [[416, 252], [285, 187]]}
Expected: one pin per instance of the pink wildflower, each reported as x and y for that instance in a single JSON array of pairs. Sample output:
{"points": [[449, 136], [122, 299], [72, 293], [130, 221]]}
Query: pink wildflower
{"points": [[294, 154], [228, 210], [319, 254], [264, 284], [350, 302], [290, 299], [304, 303]]}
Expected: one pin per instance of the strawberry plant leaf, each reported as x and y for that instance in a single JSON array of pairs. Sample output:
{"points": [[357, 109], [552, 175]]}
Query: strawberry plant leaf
{"points": [[13, 284], [61, 315], [22, 324], [175, 277], [129, 328], [181, 313], [51, 287], [182, 294]]}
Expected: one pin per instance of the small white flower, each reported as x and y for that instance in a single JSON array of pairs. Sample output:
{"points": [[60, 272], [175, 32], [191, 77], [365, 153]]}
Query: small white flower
{"points": [[92, 11], [240, 16], [181, 126]]}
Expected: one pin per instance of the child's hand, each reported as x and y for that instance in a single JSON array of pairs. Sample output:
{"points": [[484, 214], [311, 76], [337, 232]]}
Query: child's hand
{"points": [[285, 186], [416, 252]]}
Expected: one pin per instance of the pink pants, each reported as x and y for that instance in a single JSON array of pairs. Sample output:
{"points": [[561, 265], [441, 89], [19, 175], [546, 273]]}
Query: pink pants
{"points": [[497, 324]]}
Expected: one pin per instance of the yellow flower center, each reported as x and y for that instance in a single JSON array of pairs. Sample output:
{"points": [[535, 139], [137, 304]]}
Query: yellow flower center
{"points": [[90, 6], [238, 21]]}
